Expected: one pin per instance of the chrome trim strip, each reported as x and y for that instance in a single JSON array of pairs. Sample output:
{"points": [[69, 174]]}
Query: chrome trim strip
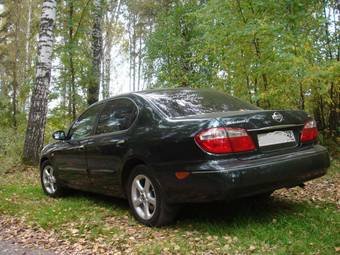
{"points": [[276, 127], [216, 171]]}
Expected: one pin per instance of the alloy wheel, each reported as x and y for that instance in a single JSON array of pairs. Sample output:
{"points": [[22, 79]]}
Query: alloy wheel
{"points": [[49, 180], [143, 197]]}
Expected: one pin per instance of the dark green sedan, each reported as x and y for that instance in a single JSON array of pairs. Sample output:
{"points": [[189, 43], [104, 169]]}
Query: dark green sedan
{"points": [[163, 148]]}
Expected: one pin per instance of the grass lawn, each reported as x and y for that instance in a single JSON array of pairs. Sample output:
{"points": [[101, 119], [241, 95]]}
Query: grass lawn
{"points": [[291, 222]]}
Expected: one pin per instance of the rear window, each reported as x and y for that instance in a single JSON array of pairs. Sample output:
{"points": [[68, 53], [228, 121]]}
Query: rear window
{"points": [[178, 103]]}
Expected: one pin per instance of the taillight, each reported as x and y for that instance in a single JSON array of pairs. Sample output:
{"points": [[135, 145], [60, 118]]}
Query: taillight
{"points": [[309, 132], [225, 140]]}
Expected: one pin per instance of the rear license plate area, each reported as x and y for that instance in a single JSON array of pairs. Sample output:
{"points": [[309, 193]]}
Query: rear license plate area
{"points": [[276, 138]]}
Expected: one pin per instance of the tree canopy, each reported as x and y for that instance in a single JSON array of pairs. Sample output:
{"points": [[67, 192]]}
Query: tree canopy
{"points": [[275, 54]]}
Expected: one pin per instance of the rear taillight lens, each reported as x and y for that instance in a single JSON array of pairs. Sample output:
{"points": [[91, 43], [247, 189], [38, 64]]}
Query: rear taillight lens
{"points": [[225, 140], [309, 132]]}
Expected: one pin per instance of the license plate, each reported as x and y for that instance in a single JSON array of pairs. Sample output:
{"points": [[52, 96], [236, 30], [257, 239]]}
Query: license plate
{"points": [[276, 137]]}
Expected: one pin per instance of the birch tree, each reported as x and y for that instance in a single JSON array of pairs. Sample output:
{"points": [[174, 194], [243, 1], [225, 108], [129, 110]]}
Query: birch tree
{"points": [[38, 110]]}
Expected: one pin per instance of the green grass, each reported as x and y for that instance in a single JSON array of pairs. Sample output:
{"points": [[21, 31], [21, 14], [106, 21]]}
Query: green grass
{"points": [[277, 226]]}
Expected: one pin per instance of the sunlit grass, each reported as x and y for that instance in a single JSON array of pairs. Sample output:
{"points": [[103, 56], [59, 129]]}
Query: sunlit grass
{"points": [[275, 226]]}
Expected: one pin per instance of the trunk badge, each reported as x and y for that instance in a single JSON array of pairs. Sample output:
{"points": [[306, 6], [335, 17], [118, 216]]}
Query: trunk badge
{"points": [[277, 116]]}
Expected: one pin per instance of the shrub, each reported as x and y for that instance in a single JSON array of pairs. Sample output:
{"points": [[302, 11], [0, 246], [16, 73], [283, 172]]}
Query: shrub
{"points": [[11, 144]]}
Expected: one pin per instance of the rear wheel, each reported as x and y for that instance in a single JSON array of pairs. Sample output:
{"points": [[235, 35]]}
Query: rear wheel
{"points": [[49, 182], [146, 199]]}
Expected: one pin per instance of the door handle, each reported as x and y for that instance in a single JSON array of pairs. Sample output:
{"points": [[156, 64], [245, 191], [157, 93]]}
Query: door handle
{"points": [[120, 142], [81, 147]]}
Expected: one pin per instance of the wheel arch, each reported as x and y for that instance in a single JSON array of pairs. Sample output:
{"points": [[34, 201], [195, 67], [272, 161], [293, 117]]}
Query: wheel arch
{"points": [[42, 160], [128, 166]]}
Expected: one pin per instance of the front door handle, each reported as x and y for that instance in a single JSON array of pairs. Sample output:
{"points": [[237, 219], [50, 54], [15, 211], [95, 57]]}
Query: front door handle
{"points": [[120, 142], [80, 147]]}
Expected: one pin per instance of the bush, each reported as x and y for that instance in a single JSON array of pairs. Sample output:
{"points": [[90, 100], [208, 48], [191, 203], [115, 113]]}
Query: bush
{"points": [[332, 142], [11, 145]]}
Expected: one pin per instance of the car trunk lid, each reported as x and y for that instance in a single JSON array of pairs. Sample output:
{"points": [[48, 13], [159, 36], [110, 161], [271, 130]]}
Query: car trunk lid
{"points": [[270, 130]]}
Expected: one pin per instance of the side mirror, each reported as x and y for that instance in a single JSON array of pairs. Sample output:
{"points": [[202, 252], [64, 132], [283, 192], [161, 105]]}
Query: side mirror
{"points": [[59, 135]]}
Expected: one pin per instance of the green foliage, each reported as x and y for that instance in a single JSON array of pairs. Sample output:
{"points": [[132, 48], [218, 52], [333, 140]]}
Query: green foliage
{"points": [[276, 54], [11, 143], [73, 52], [171, 47], [17, 48]]}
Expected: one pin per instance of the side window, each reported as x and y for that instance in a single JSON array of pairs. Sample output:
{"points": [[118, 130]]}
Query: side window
{"points": [[84, 125], [117, 115]]}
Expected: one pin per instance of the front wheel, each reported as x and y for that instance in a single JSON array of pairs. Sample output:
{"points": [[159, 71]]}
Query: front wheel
{"points": [[49, 182], [146, 200]]}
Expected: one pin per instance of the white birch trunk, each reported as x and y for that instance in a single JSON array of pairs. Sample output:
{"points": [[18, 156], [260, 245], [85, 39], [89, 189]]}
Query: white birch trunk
{"points": [[38, 110]]}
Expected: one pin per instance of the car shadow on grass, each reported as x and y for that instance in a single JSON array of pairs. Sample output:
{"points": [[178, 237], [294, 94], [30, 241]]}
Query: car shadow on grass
{"points": [[241, 210], [241, 213], [241, 207], [100, 199]]}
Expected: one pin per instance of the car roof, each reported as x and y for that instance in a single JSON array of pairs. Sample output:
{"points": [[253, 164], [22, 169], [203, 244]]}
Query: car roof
{"points": [[146, 92], [150, 91], [172, 90]]}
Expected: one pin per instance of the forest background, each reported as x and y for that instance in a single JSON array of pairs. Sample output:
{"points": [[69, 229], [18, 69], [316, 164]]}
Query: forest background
{"points": [[274, 54]]}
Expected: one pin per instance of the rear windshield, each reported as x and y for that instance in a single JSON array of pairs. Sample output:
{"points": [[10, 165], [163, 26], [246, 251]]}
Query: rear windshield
{"points": [[178, 103]]}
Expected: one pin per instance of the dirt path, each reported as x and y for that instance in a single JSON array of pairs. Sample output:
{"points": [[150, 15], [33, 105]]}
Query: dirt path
{"points": [[10, 248]]}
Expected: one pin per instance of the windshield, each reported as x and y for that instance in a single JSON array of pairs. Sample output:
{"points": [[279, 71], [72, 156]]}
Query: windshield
{"points": [[185, 102]]}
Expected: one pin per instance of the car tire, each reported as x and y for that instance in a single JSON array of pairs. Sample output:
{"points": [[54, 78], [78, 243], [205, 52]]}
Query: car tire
{"points": [[49, 182], [147, 200]]}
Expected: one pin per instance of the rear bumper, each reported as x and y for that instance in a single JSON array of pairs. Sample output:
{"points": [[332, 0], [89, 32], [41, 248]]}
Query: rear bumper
{"points": [[229, 179]]}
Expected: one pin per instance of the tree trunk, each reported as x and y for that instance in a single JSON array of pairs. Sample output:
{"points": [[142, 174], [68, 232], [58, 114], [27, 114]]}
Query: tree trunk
{"points": [[248, 88], [139, 60], [106, 74], [264, 75], [27, 76], [130, 56], [107, 49], [38, 110], [302, 97], [28, 37], [256, 92], [134, 38], [97, 42], [132, 51], [106, 65], [72, 71], [15, 83], [332, 119]]}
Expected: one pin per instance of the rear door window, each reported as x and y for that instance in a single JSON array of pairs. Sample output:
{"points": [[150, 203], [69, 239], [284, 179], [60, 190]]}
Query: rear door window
{"points": [[117, 115]]}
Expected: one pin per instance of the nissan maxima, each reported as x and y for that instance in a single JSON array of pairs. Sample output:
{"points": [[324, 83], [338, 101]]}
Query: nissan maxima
{"points": [[162, 148]]}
